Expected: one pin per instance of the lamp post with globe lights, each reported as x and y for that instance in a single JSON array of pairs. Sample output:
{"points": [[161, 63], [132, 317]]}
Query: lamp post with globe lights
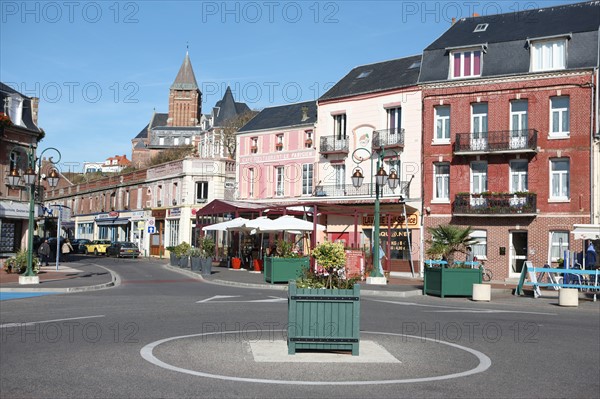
{"points": [[32, 179]]}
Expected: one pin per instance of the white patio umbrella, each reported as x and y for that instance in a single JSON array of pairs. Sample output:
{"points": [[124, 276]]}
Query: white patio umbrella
{"points": [[287, 223], [224, 226]]}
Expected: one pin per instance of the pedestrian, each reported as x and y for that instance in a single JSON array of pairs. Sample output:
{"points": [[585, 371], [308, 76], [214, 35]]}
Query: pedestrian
{"points": [[66, 249], [590, 257], [44, 252], [470, 258]]}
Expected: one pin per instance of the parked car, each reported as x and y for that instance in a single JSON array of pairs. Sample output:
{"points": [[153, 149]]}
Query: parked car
{"points": [[79, 245], [122, 249], [97, 247]]}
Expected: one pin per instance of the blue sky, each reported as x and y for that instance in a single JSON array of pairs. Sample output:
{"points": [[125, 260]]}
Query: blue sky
{"points": [[100, 68]]}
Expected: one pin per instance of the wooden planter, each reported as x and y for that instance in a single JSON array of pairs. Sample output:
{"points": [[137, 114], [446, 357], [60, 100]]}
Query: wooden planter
{"points": [[445, 281], [282, 270], [323, 320]]}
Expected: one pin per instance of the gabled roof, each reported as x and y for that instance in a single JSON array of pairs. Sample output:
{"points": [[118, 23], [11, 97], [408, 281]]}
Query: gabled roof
{"points": [[158, 119], [283, 116], [185, 80], [26, 116], [387, 75], [543, 22], [227, 108]]}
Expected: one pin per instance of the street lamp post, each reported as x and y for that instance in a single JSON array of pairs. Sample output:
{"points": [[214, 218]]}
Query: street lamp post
{"points": [[381, 178], [32, 180]]}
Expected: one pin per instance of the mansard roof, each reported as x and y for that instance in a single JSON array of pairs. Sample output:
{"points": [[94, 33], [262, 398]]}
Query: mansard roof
{"points": [[381, 76], [185, 80], [283, 116], [158, 119], [26, 116], [505, 40]]}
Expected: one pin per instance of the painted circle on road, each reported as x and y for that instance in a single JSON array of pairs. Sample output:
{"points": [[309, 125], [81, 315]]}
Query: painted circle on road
{"points": [[484, 363]]}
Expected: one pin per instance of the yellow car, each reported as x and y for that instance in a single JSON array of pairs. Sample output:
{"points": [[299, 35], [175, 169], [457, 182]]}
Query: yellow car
{"points": [[97, 247]]}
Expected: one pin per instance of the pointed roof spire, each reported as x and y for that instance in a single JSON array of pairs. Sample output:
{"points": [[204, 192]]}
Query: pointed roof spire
{"points": [[185, 80]]}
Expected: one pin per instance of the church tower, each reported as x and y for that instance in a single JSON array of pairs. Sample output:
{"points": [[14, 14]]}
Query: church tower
{"points": [[185, 97]]}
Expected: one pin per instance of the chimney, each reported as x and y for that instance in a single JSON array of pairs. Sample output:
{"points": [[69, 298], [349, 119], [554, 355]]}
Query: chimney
{"points": [[475, 14], [453, 20], [35, 102], [304, 113]]}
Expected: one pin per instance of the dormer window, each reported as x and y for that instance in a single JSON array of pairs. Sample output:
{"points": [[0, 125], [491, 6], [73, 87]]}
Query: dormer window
{"points": [[548, 55], [465, 64], [481, 28]]}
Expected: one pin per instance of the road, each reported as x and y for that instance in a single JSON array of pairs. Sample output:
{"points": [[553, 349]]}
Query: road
{"points": [[162, 334]]}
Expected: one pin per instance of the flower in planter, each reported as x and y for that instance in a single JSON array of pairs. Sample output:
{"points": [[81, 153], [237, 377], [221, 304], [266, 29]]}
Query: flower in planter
{"points": [[206, 245], [18, 263], [447, 240], [5, 120], [331, 260], [182, 249]]}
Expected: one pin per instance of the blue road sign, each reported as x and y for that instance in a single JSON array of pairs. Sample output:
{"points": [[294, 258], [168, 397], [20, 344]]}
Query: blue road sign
{"points": [[151, 229]]}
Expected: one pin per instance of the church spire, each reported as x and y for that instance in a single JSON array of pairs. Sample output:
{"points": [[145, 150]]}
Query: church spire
{"points": [[185, 80]]}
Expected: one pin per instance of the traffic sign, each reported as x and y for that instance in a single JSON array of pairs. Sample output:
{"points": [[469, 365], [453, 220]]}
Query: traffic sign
{"points": [[151, 229], [151, 221]]}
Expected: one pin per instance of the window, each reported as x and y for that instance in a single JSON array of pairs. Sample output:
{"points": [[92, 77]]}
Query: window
{"points": [[187, 141], [279, 175], [251, 182], [559, 179], [173, 232], [339, 126], [394, 120], [176, 141], [138, 203], [201, 191], [441, 181], [161, 141], [308, 139], [559, 242], [364, 74], [307, 179], [279, 142], [481, 27], [518, 176], [442, 124], [479, 126], [518, 124], [559, 114], [340, 176], [254, 145], [479, 181], [465, 64], [548, 55], [479, 249]]}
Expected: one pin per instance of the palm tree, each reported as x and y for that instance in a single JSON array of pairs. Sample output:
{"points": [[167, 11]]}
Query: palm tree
{"points": [[446, 240]]}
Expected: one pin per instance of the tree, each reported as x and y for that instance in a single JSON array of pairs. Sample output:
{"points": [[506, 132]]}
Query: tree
{"points": [[230, 129], [171, 154], [447, 240]]}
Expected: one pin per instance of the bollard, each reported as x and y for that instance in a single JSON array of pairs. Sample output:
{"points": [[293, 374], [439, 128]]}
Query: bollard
{"points": [[568, 297], [482, 292]]}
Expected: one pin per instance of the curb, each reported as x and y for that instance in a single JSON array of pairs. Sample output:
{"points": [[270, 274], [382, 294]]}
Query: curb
{"points": [[368, 293], [116, 281]]}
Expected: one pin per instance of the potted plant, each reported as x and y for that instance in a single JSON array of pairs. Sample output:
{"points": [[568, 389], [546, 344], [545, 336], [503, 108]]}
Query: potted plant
{"points": [[207, 250], [324, 306], [195, 258], [181, 252], [172, 256], [284, 264], [446, 241], [18, 263]]}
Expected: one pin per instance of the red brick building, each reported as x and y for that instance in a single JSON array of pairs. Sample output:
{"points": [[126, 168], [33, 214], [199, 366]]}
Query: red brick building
{"points": [[508, 132]]}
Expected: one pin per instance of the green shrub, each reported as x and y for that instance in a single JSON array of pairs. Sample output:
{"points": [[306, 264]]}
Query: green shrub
{"points": [[182, 249], [18, 263]]}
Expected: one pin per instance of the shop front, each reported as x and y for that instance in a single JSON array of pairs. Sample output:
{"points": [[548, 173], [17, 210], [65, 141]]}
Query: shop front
{"points": [[14, 217]]}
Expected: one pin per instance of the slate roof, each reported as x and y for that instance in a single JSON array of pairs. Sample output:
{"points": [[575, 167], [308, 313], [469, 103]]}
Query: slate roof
{"points": [[26, 116], [505, 40], [158, 119], [282, 116], [185, 80], [227, 108], [385, 75]]}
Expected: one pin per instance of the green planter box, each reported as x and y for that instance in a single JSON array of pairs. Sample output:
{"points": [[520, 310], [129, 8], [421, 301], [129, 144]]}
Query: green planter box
{"points": [[282, 270], [326, 320], [445, 281]]}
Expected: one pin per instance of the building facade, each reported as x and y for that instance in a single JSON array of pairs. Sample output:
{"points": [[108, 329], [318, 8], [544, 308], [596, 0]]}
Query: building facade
{"points": [[509, 105]]}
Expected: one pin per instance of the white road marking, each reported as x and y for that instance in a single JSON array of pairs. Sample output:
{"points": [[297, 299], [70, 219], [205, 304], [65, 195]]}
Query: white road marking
{"points": [[217, 297], [460, 309], [46, 321]]}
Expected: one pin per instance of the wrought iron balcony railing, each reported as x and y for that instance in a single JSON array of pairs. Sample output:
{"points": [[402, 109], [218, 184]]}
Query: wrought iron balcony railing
{"points": [[390, 138], [495, 142], [333, 145], [494, 204], [366, 190]]}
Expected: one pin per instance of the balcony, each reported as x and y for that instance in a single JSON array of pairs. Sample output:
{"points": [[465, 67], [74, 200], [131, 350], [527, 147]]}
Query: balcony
{"points": [[498, 142], [388, 138], [366, 190], [333, 145], [495, 204]]}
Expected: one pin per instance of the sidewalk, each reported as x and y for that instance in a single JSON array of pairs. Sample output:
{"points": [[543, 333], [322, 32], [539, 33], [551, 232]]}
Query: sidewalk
{"points": [[70, 277]]}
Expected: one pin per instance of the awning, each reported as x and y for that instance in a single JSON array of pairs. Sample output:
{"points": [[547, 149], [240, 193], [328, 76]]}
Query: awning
{"points": [[112, 222], [586, 231]]}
